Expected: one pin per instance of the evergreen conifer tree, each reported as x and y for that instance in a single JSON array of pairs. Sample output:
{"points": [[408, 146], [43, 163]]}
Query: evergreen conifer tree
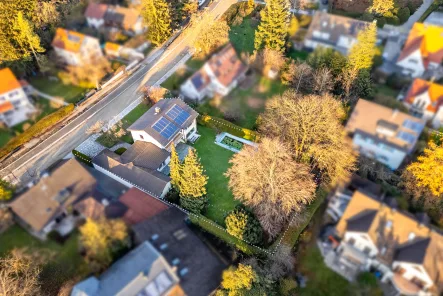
{"points": [[158, 19], [273, 28], [175, 168], [193, 179]]}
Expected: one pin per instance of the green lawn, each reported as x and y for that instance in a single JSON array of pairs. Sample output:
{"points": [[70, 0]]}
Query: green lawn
{"points": [[242, 36], [66, 264], [70, 93], [321, 280], [215, 161], [129, 119], [298, 55], [175, 80], [5, 136], [244, 104]]}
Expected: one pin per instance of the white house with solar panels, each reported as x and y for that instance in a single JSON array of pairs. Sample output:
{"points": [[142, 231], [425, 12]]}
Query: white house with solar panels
{"points": [[169, 121]]}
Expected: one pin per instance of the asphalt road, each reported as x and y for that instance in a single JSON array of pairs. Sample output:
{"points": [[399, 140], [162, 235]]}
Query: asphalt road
{"points": [[73, 134]]}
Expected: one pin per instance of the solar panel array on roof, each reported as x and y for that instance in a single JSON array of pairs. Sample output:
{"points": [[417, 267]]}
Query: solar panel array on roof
{"points": [[165, 128], [412, 125], [177, 114], [405, 136], [197, 80]]}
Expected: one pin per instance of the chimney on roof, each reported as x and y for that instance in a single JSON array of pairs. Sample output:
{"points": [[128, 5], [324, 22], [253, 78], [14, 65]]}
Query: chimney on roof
{"points": [[157, 110], [394, 113]]}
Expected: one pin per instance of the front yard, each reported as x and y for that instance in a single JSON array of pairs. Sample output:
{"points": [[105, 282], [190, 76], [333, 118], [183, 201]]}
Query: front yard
{"points": [[70, 93]]}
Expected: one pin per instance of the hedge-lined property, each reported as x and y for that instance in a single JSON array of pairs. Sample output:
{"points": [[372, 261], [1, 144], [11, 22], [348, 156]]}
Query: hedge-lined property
{"points": [[226, 126], [82, 157], [39, 128]]}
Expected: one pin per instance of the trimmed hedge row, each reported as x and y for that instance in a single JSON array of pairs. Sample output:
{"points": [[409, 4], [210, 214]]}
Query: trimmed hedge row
{"points": [[226, 126], [208, 225], [37, 129], [428, 11], [82, 157]]}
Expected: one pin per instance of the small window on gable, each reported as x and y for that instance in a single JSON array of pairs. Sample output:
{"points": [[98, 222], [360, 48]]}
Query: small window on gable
{"points": [[411, 236], [389, 224]]}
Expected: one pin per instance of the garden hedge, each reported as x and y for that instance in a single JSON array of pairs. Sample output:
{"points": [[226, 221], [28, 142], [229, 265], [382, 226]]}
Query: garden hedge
{"points": [[36, 130], [226, 126], [82, 157]]}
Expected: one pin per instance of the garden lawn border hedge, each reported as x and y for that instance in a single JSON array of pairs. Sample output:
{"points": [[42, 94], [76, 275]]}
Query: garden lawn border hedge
{"points": [[227, 126], [82, 157]]}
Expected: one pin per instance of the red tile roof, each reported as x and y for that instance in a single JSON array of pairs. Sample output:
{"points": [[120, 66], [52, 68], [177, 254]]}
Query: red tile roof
{"points": [[96, 11], [68, 40], [435, 91], [141, 206], [5, 107], [226, 65], [8, 81]]}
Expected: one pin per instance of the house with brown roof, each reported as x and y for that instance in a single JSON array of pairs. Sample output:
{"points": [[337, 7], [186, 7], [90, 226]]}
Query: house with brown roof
{"points": [[74, 49], [115, 18], [46, 205], [403, 248], [219, 76], [333, 31], [15, 106], [384, 134], [424, 99], [423, 51]]}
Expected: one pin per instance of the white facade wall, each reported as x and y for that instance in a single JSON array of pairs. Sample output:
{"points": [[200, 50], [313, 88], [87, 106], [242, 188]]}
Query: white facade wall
{"points": [[388, 155], [362, 242], [143, 136], [22, 107], [188, 89], [68, 57], [414, 270], [95, 23], [215, 85], [413, 64]]}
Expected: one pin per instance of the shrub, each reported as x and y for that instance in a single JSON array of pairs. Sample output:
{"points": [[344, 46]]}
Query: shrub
{"points": [[381, 22], [120, 150], [397, 82], [82, 157], [242, 224], [193, 204], [39, 128], [6, 190], [403, 14]]}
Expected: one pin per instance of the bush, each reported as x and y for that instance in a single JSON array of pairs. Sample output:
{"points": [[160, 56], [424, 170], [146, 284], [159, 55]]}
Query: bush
{"points": [[120, 150], [288, 287], [232, 143], [242, 224], [226, 126], [381, 22], [394, 20], [82, 157], [403, 14], [194, 205], [397, 82], [39, 128]]}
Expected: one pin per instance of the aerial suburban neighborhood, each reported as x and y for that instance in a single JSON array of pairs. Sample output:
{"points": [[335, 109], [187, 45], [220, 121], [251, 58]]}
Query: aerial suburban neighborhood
{"points": [[221, 147]]}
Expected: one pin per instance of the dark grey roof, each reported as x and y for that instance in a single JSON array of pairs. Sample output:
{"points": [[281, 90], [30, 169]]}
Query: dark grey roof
{"points": [[151, 180], [149, 118], [414, 252], [204, 266], [362, 221], [115, 210], [145, 155], [140, 272]]}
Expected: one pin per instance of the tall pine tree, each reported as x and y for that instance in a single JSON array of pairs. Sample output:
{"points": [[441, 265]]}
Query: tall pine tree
{"points": [[158, 19], [175, 168], [273, 28]]}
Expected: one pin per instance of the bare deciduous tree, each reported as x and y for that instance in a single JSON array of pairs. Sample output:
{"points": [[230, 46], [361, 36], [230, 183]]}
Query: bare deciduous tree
{"points": [[312, 126], [95, 128], [271, 183], [323, 81], [267, 60], [298, 76]]}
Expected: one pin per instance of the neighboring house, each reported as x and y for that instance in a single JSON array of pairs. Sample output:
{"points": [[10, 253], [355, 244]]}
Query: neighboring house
{"points": [[383, 134], [423, 51], [198, 267], [424, 99], [15, 106], [403, 248], [333, 31], [114, 50], [115, 18], [75, 49], [144, 164], [141, 272], [219, 76], [46, 206]]}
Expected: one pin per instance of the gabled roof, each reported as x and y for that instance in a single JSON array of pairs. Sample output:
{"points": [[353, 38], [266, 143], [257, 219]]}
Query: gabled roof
{"points": [[141, 206], [90, 208], [170, 230], [361, 222], [124, 17], [226, 65], [96, 10], [200, 79], [428, 39], [392, 228], [145, 155], [368, 119], [8, 81], [434, 90], [143, 271], [150, 180], [68, 40], [161, 110], [42, 202], [6, 106]]}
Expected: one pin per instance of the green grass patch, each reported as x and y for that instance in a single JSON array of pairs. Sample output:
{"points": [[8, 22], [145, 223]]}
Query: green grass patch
{"points": [[176, 80], [5, 136], [195, 63], [242, 36], [120, 150], [215, 160], [67, 263], [70, 93], [243, 105], [298, 54]]}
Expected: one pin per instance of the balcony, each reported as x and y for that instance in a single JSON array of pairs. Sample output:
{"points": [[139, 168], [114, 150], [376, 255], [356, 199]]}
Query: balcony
{"points": [[404, 286]]}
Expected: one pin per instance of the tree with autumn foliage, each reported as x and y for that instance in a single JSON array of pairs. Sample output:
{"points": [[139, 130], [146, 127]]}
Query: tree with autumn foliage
{"points": [[268, 180], [238, 280], [273, 28], [311, 125], [212, 34], [157, 18], [175, 168], [383, 8], [101, 240], [242, 224], [6, 191]]}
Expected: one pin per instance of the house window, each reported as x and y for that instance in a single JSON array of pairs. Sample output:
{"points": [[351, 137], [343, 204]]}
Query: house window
{"points": [[351, 241], [389, 224], [367, 250], [411, 236], [141, 137]]}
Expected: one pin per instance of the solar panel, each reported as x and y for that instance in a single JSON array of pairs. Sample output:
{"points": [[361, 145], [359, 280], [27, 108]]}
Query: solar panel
{"points": [[412, 125], [165, 128], [177, 114], [405, 136]]}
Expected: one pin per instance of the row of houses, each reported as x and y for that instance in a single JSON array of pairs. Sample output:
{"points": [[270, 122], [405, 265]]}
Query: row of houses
{"points": [[372, 234]]}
